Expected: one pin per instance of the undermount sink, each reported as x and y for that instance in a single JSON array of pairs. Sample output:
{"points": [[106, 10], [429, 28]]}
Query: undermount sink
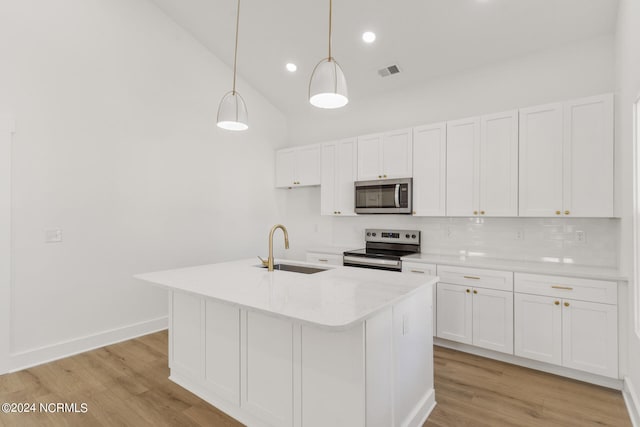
{"points": [[296, 268]]}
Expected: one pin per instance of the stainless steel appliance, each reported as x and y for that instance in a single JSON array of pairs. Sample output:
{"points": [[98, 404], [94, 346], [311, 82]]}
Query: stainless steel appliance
{"points": [[384, 248], [386, 196]]}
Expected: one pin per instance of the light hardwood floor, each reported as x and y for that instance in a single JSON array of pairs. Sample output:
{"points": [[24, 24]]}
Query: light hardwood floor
{"points": [[126, 384]]}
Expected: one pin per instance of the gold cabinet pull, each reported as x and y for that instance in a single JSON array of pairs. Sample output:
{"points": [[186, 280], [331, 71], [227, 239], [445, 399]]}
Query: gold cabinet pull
{"points": [[323, 260], [567, 212], [468, 290], [475, 291], [556, 302], [481, 212], [558, 212], [564, 288], [475, 212], [417, 271], [471, 277], [566, 304]]}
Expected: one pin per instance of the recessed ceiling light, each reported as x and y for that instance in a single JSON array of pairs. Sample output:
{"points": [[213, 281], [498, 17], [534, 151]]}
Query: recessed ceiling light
{"points": [[369, 36], [291, 67]]}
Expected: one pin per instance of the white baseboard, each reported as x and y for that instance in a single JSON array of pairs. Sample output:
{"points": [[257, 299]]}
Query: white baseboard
{"points": [[29, 358], [632, 400], [422, 410], [613, 383]]}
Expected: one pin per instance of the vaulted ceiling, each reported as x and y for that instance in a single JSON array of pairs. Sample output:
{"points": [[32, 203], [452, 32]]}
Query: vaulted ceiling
{"points": [[425, 38]]}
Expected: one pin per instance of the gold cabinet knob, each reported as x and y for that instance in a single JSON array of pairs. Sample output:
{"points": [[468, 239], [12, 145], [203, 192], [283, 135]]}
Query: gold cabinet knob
{"points": [[556, 302], [379, 176], [475, 291], [335, 212], [384, 176], [558, 212], [475, 212], [481, 212], [414, 212], [339, 213], [566, 304], [468, 290], [567, 212]]}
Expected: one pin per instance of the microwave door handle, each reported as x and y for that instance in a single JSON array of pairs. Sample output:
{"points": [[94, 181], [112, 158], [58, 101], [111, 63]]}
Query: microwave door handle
{"points": [[397, 196]]}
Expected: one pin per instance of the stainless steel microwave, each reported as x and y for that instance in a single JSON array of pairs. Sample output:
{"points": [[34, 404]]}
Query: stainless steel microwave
{"points": [[385, 196]]}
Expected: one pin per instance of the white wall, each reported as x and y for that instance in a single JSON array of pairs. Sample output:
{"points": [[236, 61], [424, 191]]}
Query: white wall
{"points": [[566, 72], [628, 88], [116, 145]]}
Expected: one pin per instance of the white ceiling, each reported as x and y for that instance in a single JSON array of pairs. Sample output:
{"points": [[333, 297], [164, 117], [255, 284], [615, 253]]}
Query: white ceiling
{"points": [[426, 38]]}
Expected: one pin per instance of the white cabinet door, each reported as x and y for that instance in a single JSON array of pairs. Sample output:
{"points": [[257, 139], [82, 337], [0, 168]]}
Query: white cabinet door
{"points": [[493, 319], [429, 170], [397, 153], [187, 334], [454, 304], [538, 328], [222, 349], [267, 374], [541, 136], [370, 157], [499, 164], [307, 165], [429, 270], [590, 337], [588, 157], [285, 167], [463, 143], [328, 189], [346, 162]]}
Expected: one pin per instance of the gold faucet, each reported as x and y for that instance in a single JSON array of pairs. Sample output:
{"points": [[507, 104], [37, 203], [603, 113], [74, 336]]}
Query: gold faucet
{"points": [[269, 262]]}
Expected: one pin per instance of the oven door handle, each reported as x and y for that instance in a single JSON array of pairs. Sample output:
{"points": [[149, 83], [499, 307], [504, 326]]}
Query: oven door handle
{"points": [[372, 261], [397, 196]]}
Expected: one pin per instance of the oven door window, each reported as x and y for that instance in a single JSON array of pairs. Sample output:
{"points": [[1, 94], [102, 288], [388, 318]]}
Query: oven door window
{"points": [[376, 196]]}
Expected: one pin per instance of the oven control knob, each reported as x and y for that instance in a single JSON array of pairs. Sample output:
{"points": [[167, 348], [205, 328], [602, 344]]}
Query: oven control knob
{"points": [[406, 235], [368, 234], [374, 234], [413, 236]]}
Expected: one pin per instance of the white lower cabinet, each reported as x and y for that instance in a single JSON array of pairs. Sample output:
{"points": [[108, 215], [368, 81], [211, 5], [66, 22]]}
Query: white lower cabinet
{"points": [[554, 327], [428, 270], [471, 312], [319, 258]]}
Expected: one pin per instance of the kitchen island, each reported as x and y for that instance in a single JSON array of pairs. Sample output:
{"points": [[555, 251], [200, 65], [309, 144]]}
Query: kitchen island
{"points": [[341, 347]]}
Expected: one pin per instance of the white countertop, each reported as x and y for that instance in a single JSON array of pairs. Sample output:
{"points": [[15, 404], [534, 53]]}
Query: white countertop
{"points": [[552, 268], [336, 298]]}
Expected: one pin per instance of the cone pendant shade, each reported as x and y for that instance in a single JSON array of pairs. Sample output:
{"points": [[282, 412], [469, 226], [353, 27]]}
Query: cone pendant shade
{"points": [[328, 86], [232, 112]]}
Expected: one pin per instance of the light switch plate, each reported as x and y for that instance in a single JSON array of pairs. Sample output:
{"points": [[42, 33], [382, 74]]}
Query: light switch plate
{"points": [[53, 235]]}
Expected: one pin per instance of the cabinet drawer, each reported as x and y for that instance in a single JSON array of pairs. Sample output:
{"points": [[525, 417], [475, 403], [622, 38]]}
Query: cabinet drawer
{"points": [[567, 287], [329, 259], [419, 268], [476, 277]]}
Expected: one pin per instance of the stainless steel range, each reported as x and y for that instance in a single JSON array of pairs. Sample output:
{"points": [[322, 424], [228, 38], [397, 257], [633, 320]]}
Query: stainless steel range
{"points": [[384, 248]]}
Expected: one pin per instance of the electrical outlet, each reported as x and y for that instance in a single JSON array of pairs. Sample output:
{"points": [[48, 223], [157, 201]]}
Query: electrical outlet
{"points": [[53, 235], [581, 236], [519, 235]]}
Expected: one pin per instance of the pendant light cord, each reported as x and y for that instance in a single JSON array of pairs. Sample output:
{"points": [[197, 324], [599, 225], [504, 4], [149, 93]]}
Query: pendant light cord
{"points": [[235, 54], [330, 14]]}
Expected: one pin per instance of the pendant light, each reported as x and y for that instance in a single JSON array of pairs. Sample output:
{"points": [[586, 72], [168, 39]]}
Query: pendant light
{"points": [[232, 111], [328, 86]]}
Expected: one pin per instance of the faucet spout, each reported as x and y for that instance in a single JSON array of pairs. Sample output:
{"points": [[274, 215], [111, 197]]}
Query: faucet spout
{"points": [[269, 262]]}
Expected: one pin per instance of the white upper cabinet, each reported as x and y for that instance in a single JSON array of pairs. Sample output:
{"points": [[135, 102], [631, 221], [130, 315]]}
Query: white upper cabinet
{"points": [[499, 164], [463, 146], [566, 159], [385, 156], [338, 175], [588, 157], [429, 170], [298, 167], [482, 165]]}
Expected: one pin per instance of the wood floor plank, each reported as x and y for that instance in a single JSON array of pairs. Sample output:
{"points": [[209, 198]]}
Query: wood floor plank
{"points": [[126, 384]]}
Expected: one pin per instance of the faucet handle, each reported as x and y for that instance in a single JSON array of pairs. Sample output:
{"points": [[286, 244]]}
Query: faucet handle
{"points": [[264, 262]]}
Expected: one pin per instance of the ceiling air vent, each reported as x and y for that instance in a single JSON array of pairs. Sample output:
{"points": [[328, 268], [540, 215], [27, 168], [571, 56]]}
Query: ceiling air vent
{"points": [[388, 71]]}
